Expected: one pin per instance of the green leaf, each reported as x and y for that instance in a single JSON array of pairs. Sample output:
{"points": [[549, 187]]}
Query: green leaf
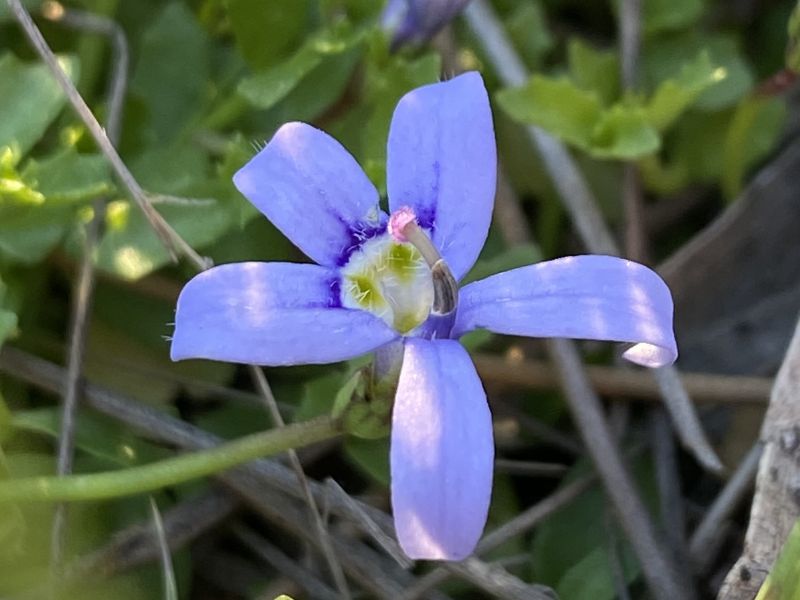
{"points": [[664, 15], [576, 116], [624, 133], [664, 59], [268, 87], [129, 248], [5, 428], [577, 530], [793, 47], [594, 70], [592, 578], [527, 26], [318, 396], [29, 233], [317, 91], [8, 326], [265, 36], [370, 456], [7, 15], [673, 96], [96, 435], [69, 177], [12, 521], [172, 94], [783, 583], [30, 100], [753, 132], [556, 105]]}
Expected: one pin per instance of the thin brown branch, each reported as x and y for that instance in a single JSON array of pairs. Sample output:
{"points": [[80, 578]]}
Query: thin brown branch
{"points": [[582, 207], [625, 383]]}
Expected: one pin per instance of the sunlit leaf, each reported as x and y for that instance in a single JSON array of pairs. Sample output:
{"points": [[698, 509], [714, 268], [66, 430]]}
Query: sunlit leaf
{"points": [[69, 177], [557, 105], [673, 96], [594, 70], [664, 59], [624, 133]]}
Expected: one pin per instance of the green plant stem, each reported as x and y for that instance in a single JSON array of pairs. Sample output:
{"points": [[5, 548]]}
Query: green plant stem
{"points": [[146, 478]]}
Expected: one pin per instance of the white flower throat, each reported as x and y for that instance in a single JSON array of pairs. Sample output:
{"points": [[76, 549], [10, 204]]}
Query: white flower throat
{"points": [[391, 280]]}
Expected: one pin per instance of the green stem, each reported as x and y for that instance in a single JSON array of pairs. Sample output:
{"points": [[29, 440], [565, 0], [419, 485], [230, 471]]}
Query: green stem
{"points": [[153, 476]]}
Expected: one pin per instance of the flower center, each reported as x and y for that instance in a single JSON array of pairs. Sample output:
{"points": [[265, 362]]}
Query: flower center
{"points": [[390, 279]]}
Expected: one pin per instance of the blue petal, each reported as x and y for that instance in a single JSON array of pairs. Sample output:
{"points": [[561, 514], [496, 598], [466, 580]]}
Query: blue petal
{"points": [[271, 314], [584, 297], [311, 189], [442, 162], [442, 452]]}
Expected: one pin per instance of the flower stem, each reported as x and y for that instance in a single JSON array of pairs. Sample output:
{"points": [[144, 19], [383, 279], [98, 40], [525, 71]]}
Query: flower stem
{"points": [[153, 476]]}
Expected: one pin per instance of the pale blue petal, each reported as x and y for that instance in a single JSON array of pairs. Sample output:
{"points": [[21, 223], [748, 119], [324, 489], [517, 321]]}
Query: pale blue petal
{"points": [[442, 163], [442, 452], [313, 190], [583, 297], [271, 314]]}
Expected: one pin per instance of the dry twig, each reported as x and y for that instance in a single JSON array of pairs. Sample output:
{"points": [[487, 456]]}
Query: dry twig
{"points": [[775, 505], [705, 388]]}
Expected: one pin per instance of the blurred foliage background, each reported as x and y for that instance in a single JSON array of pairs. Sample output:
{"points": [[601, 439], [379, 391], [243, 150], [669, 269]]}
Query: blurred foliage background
{"points": [[210, 81]]}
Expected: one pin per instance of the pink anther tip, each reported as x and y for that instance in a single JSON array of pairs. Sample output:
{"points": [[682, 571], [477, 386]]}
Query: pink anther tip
{"points": [[398, 222]]}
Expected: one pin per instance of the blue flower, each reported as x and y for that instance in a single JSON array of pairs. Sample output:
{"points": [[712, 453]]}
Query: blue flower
{"points": [[372, 289], [414, 22]]}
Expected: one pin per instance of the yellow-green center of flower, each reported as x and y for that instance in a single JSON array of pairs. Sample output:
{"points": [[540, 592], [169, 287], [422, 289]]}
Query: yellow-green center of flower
{"points": [[391, 280]]}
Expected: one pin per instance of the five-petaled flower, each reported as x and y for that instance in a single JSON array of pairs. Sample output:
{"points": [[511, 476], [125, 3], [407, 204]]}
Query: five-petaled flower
{"points": [[374, 288]]}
